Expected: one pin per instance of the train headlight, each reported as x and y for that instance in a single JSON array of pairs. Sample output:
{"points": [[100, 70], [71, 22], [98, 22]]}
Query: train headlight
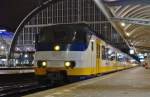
{"points": [[69, 64], [41, 63], [57, 48], [44, 64]]}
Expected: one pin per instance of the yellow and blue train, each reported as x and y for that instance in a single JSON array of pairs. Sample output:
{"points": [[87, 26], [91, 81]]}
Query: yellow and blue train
{"points": [[74, 50]]}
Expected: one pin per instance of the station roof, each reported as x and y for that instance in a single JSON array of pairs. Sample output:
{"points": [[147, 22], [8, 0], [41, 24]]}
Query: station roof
{"points": [[133, 18]]}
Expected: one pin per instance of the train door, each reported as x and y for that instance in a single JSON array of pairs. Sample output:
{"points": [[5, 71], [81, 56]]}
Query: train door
{"points": [[93, 57], [98, 61]]}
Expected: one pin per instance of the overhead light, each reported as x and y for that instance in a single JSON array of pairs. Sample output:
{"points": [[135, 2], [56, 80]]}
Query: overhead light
{"points": [[127, 34], [26, 56], [131, 51], [2, 47], [2, 30], [123, 24]]}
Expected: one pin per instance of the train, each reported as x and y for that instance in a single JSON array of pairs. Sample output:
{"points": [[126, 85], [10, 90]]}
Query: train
{"points": [[75, 51]]}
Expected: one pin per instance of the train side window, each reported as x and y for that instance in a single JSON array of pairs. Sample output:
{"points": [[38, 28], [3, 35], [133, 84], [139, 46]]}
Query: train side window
{"points": [[103, 52]]}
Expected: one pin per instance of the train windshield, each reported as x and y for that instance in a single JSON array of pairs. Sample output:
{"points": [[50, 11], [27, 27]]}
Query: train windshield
{"points": [[64, 34]]}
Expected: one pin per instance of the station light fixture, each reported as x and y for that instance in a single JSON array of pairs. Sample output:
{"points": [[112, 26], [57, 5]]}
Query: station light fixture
{"points": [[2, 30], [26, 56], [128, 34], [123, 24], [2, 47], [131, 51]]}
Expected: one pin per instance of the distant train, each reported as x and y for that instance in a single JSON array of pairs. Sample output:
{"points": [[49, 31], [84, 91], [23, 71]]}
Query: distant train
{"points": [[67, 51]]}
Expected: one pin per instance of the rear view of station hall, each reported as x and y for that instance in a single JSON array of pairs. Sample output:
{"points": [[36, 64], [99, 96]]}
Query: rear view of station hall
{"points": [[75, 48]]}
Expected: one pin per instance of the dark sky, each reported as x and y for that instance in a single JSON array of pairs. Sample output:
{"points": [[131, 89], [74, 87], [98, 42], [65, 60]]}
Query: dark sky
{"points": [[13, 11]]}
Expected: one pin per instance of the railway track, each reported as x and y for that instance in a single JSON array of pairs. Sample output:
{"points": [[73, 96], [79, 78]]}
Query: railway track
{"points": [[12, 85], [16, 90], [24, 88]]}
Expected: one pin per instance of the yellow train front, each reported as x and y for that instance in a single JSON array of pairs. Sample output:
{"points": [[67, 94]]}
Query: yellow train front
{"points": [[68, 51]]}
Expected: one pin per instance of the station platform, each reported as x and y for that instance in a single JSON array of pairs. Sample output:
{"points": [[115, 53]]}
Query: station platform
{"points": [[15, 70], [133, 82]]}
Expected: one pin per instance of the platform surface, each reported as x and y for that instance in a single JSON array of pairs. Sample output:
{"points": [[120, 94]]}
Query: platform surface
{"points": [[134, 82]]}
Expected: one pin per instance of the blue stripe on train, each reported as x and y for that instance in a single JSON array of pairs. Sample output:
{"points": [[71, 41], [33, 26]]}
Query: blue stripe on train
{"points": [[63, 47]]}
